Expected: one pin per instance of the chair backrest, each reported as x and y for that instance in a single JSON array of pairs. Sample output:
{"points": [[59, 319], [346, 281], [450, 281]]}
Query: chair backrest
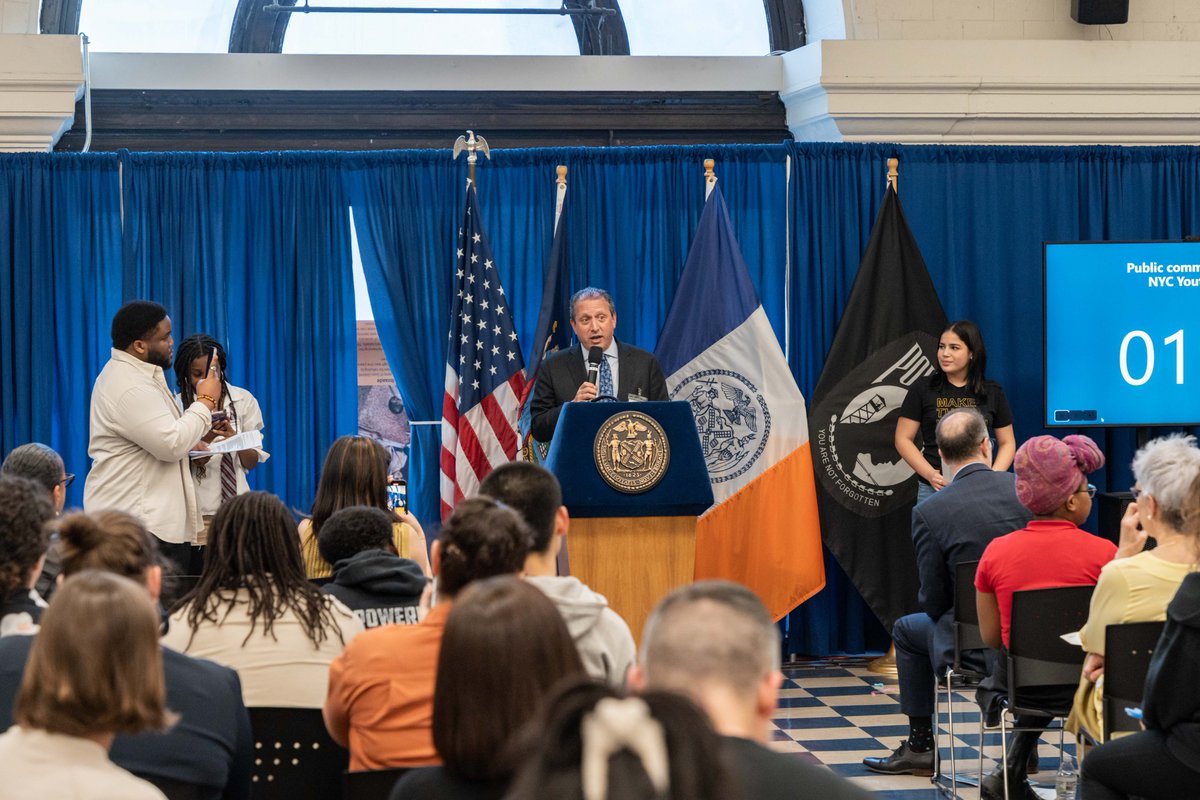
{"points": [[178, 790], [1127, 652], [294, 755], [373, 784], [1037, 654], [967, 635]]}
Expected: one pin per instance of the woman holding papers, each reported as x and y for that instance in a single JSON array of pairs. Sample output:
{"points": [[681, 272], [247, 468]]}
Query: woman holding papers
{"points": [[222, 476]]}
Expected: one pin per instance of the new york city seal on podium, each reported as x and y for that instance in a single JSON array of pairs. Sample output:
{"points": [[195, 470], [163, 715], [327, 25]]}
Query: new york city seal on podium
{"points": [[631, 452]]}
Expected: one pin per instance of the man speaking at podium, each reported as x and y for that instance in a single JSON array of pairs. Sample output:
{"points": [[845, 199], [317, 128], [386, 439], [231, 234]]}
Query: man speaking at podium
{"points": [[601, 367]]}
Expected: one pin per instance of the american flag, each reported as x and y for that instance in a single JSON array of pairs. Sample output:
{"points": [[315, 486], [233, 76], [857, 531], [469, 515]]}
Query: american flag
{"points": [[485, 373]]}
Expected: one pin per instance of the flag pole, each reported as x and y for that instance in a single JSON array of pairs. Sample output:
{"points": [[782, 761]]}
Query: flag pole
{"points": [[560, 192], [473, 145], [886, 663], [710, 177]]}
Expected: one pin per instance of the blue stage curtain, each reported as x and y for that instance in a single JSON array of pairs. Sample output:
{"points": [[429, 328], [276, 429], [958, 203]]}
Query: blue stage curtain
{"points": [[407, 209], [255, 250], [980, 216], [60, 272], [631, 215]]}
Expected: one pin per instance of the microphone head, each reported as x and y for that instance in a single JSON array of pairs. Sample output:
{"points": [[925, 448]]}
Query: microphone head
{"points": [[595, 355]]}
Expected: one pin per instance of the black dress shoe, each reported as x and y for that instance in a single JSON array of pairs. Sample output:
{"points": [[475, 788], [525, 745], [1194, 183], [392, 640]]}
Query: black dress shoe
{"points": [[902, 761], [992, 788]]}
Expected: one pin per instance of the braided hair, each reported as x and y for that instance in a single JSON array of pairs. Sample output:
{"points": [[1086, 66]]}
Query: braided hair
{"points": [[191, 348], [252, 548]]}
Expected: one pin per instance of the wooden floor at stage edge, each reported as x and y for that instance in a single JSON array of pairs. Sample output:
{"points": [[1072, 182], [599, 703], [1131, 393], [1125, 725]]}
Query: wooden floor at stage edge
{"points": [[633, 561]]}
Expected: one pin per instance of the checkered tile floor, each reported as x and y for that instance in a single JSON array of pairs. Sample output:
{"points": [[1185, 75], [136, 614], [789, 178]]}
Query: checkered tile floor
{"points": [[836, 712]]}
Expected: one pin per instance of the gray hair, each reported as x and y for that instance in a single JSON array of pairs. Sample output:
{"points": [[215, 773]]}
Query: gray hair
{"points": [[37, 462], [959, 435], [592, 293], [709, 631], [1165, 468]]}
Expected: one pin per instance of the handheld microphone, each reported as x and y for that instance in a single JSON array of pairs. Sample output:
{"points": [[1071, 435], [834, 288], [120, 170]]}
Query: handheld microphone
{"points": [[595, 356]]}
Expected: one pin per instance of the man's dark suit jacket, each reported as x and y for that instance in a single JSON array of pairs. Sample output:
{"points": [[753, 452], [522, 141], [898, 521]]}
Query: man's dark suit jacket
{"points": [[957, 523], [562, 373]]}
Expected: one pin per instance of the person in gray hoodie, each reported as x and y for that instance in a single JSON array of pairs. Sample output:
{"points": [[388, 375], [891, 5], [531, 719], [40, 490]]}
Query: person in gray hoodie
{"points": [[603, 638], [380, 587]]}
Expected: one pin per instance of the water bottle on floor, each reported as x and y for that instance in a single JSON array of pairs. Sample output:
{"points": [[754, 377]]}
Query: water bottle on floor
{"points": [[1067, 779]]}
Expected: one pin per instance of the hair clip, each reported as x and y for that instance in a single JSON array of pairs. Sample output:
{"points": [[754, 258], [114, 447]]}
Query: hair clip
{"points": [[615, 725]]}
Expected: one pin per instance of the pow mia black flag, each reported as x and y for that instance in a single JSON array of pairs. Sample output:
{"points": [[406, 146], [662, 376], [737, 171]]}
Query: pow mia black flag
{"points": [[886, 340]]}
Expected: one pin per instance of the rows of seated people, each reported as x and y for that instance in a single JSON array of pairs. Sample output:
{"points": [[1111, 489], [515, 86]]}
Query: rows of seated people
{"points": [[502, 679], [498, 678], [1024, 532]]}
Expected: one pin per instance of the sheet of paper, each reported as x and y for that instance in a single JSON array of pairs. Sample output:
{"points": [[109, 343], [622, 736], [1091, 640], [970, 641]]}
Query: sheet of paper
{"points": [[1072, 638], [246, 440]]}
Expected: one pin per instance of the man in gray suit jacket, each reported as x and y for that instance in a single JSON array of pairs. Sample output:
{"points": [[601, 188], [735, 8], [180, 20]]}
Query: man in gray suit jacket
{"points": [[952, 526], [626, 371]]}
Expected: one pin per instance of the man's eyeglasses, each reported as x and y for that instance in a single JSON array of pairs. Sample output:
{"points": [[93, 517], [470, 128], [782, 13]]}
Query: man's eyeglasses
{"points": [[67, 478], [1090, 489]]}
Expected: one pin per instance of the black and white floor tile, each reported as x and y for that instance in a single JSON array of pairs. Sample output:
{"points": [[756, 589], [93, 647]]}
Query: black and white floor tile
{"points": [[837, 712]]}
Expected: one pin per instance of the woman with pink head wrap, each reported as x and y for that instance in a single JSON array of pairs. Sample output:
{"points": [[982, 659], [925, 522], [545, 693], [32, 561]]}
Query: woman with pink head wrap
{"points": [[1050, 551]]}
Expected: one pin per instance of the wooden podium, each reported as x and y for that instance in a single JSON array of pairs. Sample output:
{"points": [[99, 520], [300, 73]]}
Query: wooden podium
{"points": [[631, 545]]}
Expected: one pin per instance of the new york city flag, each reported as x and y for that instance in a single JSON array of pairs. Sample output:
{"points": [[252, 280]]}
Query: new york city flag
{"points": [[720, 354]]}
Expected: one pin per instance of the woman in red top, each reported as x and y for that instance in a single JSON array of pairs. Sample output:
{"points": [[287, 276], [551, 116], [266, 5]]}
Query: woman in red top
{"points": [[1051, 551]]}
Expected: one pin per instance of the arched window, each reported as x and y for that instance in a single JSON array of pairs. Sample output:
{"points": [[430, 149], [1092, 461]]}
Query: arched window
{"points": [[696, 27], [154, 26], [638, 27], [433, 34]]}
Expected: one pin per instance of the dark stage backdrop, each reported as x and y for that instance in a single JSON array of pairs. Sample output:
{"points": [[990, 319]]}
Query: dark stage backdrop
{"points": [[259, 243]]}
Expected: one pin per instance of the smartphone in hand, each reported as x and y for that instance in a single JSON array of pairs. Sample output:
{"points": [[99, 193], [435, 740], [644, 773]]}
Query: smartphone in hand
{"points": [[397, 491]]}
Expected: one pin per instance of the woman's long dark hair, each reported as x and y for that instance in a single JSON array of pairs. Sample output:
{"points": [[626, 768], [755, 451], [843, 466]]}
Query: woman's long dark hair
{"points": [[191, 348], [252, 546], [968, 331], [355, 473], [553, 751]]}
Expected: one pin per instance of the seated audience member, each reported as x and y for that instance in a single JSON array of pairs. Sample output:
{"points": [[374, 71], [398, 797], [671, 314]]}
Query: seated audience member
{"points": [[1163, 761], [210, 746], [380, 587], [593, 744], [1051, 551], [949, 527], [504, 649], [42, 465], [380, 702], [1138, 588], [24, 511], [355, 473], [715, 642], [95, 671], [603, 638], [253, 609]]}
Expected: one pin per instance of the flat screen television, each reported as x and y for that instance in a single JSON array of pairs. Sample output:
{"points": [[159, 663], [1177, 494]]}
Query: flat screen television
{"points": [[1122, 333]]}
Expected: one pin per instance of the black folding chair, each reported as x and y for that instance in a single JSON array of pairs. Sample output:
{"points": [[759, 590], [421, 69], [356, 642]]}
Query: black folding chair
{"points": [[178, 790], [1038, 657], [373, 784], [967, 636], [1127, 652], [294, 755]]}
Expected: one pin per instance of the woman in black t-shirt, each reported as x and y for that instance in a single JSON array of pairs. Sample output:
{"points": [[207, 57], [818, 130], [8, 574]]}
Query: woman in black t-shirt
{"points": [[959, 382]]}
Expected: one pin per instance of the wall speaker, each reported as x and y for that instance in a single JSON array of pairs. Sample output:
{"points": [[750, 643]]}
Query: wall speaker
{"points": [[1100, 12]]}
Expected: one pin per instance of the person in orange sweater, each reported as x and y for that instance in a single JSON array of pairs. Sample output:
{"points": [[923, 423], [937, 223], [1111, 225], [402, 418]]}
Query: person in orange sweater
{"points": [[380, 699]]}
